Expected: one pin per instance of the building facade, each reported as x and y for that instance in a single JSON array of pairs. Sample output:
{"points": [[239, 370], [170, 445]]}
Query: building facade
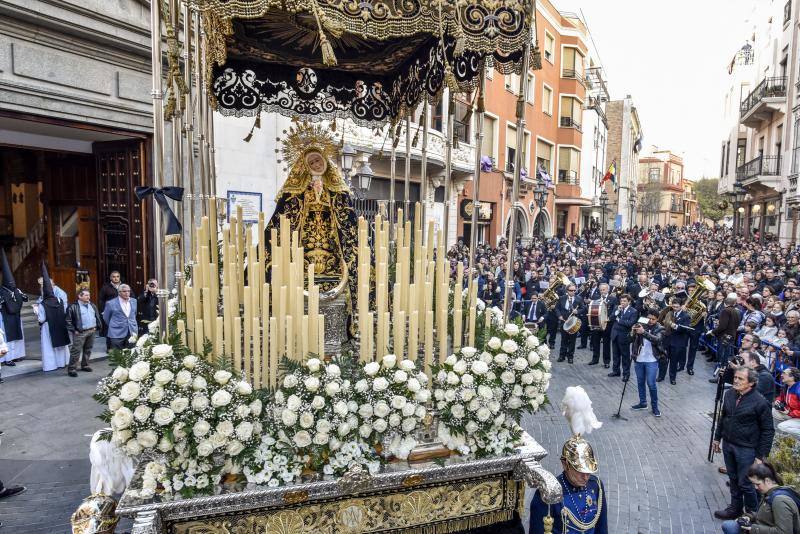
{"points": [[662, 189], [75, 124], [624, 144]]}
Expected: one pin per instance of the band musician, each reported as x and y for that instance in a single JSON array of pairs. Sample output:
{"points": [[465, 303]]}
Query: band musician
{"points": [[676, 333], [603, 337], [568, 305]]}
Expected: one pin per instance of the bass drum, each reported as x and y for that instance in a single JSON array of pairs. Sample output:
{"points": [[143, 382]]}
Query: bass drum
{"points": [[572, 325], [598, 315]]}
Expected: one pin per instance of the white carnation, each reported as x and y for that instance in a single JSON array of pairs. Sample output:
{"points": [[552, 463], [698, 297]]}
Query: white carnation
{"points": [[485, 392], [449, 395], [515, 403]]}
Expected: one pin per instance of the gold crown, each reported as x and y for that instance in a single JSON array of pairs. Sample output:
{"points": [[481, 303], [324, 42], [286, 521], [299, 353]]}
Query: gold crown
{"points": [[303, 136]]}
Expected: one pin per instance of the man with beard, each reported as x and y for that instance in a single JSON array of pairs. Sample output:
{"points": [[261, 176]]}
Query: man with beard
{"points": [[11, 301]]}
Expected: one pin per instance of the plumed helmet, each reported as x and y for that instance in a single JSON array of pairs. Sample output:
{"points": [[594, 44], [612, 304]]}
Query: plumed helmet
{"points": [[579, 455], [95, 515]]}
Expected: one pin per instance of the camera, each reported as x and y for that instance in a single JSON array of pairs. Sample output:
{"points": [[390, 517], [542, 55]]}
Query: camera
{"points": [[780, 406], [744, 521]]}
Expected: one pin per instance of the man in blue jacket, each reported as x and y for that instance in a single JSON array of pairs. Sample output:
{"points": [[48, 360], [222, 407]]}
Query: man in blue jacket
{"points": [[120, 316], [625, 316]]}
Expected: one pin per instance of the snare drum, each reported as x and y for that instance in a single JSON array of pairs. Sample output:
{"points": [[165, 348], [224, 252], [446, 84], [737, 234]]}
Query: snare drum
{"points": [[598, 315], [572, 325]]}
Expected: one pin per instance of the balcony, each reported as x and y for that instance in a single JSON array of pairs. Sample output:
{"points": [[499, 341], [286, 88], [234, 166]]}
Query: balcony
{"points": [[768, 98], [568, 177], [765, 170], [569, 122], [573, 75]]}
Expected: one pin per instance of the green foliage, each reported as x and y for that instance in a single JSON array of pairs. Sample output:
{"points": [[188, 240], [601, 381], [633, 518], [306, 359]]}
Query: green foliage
{"points": [[785, 457], [120, 358], [708, 199]]}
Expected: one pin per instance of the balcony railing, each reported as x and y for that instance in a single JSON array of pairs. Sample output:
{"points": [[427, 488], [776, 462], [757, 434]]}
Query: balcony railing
{"points": [[567, 177], [768, 88], [574, 74], [569, 122], [761, 166]]}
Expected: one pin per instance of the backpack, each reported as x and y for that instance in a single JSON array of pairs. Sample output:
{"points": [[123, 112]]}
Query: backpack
{"points": [[789, 492]]}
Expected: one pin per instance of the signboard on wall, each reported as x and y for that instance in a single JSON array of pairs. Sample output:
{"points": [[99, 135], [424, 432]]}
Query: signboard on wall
{"points": [[250, 202]]}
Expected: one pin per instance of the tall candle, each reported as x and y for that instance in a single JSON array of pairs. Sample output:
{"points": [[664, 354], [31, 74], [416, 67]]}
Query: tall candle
{"points": [[273, 353], [256, 332], [247, 323], [237, 343], [208, 316], [218, 337], [282, 323], [313, 317], [413, 345], [289, 349], [190, 314], [321, 336], [227, 312], [305, 339], [428, 343], [473, 295], [198, 336], [400, 335]]}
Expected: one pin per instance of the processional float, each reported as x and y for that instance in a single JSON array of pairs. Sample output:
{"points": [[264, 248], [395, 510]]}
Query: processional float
{"points": [[263, 310]]}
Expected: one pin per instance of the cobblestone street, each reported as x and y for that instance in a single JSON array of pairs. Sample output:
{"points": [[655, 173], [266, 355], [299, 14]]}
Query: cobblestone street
{"points": [[655, 471]]}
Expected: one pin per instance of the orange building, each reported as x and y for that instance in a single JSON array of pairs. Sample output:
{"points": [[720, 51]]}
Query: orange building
{"points": [[553, 137]]}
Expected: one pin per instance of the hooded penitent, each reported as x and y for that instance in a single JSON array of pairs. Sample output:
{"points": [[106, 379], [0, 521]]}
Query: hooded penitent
{"points": [[54, 311], [11, 301]]}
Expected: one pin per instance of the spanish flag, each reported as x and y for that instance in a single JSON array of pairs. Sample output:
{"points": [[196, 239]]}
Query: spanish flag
{"points": [[611, 175]]}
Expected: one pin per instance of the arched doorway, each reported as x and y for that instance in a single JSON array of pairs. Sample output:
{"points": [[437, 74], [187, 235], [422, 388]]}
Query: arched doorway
{"points": [[521, 222], [542, 225]]}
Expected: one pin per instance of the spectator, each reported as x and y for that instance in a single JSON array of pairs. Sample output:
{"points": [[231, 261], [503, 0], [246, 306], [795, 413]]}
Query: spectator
{"points": [[746, 431], [109, 291], [646, 350], [147, 306], [766, 383], [777, 513], [120, 316], [83, 319], [786, 411]]}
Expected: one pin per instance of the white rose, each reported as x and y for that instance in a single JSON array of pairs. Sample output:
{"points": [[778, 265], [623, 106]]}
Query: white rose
{"points": [[255, 407], [469, 352], [365, 431], [494, 343], [537, 375], [218, 440], [413, 385], [483, 414], [352, 406], [471, 427], [129, 391], [451, 360], [147, 439], [199, 383], [244, 430], [201, 428], [408, 409], [183, 378], [225, 428], [221, 377], [313, 364], [441, 376], [163, 416], [220, 398], [205, 448], [311, 383], [340, 408], [389, 361], [179, 404], [121, 419], [452, 378], [234, 448], [409, 425], [114, 403], [380, 384], [457, 410], [199, 402], [320, 438], [343, 429], [120, 374], [400, 376], [381, 409], [333, 371], [508, 377], [520, 364], [515, 403], [511, 329], [398, 401], [527, 378], [486, 357], [438, 394], [156, 394], [365, 411], [161, 351], [479, 367], [290, 381], [362, 386], [332, 388], [533, 404], [485, 392], [163, 377], [293, 403], [532, 342], [302, 439], [372, 368], [449, 395], [407, 365], [318, 402], [164, 445], [139, 370], [178, 431], [544, 352], [467, 380], [468, 394], [380, 425], [517, 390], [142, 340], [460, 367], [288, 417], [510, 346], [242, 411], [323, 426], [530, 391], [501, 358], [306, 420], [141, 413], [394, 420], [244, 388], [494, 406], [190, 361], [132, 448]]}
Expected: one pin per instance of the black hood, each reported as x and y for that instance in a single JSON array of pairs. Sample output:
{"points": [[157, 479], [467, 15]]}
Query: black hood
{"points": [[8, 276]]}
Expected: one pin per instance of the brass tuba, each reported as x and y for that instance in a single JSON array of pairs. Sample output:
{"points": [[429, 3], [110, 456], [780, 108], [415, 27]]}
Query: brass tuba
{"points": [[695, 306], [550, 296]]}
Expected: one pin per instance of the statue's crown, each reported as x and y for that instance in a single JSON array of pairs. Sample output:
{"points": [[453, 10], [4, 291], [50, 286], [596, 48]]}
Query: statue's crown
{"points": [[303, 136]]}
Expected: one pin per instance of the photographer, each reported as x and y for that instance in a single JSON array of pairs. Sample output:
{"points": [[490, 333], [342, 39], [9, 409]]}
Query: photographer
{"points": [[746, 431], [777, 512], [786, 411], [646, 350]]}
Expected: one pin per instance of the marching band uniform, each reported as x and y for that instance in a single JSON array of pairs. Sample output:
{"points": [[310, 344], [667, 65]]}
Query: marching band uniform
{"points": [[565, 307], [621, 340], [603, 337], [677, 344]]}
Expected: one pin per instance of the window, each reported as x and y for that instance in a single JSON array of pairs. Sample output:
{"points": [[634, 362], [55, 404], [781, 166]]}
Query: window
{"points": [[487, 146], [796, 145], [569, 161], [571, 111], [436, 116], [549, 47], [654, 174], [525, 150], [547, 100], [531, 88], [572, 64], [727, 158], [461, 123], [512, 83], [741, 152], [544, 156], [511, 147]]}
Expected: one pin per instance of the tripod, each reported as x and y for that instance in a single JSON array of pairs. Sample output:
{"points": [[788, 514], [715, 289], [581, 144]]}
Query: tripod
{"points": [[717, 410], [619, 408]]}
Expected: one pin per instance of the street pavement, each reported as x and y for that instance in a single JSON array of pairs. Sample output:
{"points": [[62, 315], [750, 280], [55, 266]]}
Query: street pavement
{"points": [[655, 471]]}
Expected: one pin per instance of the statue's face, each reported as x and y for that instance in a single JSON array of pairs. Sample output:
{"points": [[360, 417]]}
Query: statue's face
{"points": [[316, 163]]}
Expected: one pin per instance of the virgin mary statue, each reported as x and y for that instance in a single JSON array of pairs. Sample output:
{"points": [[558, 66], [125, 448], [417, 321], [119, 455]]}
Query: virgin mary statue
{"points": [[318, 205]]}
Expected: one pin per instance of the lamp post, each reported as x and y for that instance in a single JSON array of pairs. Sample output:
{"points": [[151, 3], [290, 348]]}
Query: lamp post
{"points": [[540, 194], [364, 177], [348, 154], [603, 205]]}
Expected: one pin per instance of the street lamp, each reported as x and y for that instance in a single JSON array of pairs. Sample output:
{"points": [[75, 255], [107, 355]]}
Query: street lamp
{"points": [[540, 194], [364, 176], [603, 205], [348, 154]]}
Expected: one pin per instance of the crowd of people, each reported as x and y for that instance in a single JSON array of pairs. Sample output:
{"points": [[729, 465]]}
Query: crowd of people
{"points": [[652, 300]]}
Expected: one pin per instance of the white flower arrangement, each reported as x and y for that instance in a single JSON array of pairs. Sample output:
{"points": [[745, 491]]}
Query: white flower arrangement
{"points": [[481, 396], [162, 400], [391, 399], [314, 415]]}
